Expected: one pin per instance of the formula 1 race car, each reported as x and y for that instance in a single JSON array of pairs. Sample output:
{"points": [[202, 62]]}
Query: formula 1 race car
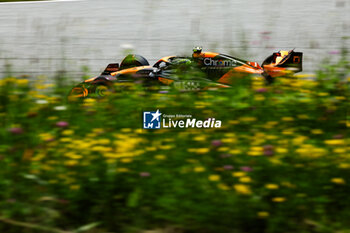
{"points": [[202, 71]]}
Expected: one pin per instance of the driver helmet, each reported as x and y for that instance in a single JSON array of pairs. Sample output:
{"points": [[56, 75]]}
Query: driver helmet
{"points": [[197, 49]]}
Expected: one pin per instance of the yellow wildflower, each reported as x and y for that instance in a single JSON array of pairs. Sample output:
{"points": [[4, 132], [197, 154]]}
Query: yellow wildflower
{"points": [[122, 169], [255, 153], [200, 138], [338, 180], [45, 136], [138, 131], [259, 98], [287, 119], [27, 154], [271, 186], [306, 100], [279, 199], [223, 186], [166, 147], [340, 97], [101, 149], [22, 82], [268, 126], [271, 137], [275, 161], [303, 116], [238, 174], [75, 156], [245, 179], [160, 157], [199, 169], [89, 100], [126, 130], [288, 184], [126, 160], [316, 131], [281, 150], [223, 149], [67, 132], [97, 130], [257, 148], [339, 150], [229, 140], [235, 151], [214, 177], [192, 160], [248, 119], [299, 140], [263, 214], [201, 150], [111, 161], [344, 165], [334, 142], [151, 148], [242, 189], [288, 132], [323, 94], [103, 141], [74, 187], [71, 163], [272, 123], [347, 123], [66, 139], [91, 135]]}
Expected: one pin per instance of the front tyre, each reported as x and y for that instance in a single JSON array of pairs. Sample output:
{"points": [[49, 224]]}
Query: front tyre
{"points": [[78, 92]]}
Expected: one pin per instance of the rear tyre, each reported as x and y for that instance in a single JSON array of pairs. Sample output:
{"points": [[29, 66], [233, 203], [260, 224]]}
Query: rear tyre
{"points": [[102, 90]]}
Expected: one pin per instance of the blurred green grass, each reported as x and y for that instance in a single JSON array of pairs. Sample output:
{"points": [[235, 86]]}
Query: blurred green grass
{"points": [[280, 163]]}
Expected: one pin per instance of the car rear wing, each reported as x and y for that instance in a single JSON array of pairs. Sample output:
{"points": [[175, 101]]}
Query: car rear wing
{"points": [[112, 67], [290, 60]]}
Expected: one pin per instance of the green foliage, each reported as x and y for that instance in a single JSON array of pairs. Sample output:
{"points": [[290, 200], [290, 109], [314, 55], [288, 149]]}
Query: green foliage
{"points": [[280, 162]]}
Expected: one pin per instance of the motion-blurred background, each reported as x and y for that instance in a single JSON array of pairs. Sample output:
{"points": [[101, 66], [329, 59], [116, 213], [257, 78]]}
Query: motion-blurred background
{"points": [[280, 162], [46, 37]]}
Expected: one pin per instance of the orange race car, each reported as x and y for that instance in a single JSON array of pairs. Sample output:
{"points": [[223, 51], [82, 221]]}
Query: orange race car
{"points": [[202, 71]]}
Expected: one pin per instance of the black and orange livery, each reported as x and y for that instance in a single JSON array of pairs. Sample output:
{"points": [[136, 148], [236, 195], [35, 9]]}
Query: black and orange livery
{"points": [[217, 71]]}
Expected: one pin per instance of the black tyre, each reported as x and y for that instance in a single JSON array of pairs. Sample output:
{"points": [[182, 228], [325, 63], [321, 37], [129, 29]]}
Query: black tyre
{"points": [[133, 60]]}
